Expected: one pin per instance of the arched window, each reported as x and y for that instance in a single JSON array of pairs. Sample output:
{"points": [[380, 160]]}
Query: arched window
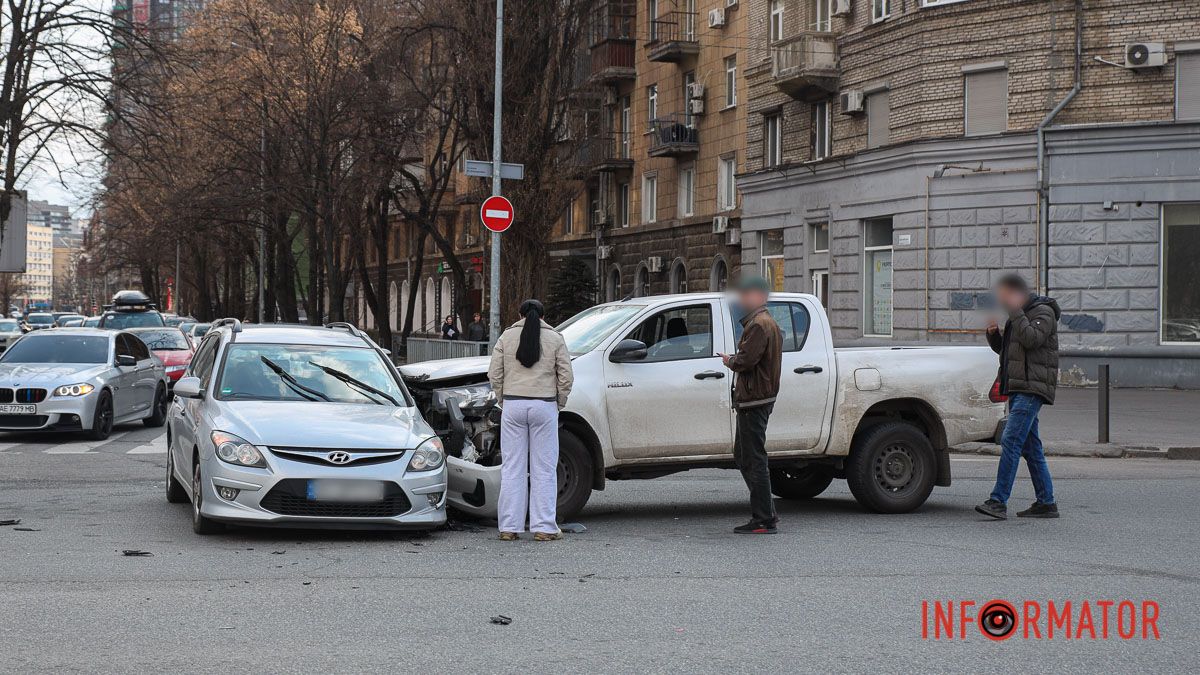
{"points": [[404, 292], [679, 281], [429, 321], [393, 305], [613, 291], [641, 282], [447, 299], [718, 279]]}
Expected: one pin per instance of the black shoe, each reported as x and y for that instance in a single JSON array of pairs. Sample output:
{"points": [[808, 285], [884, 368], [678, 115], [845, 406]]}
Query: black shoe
{"points": [[1039, 510], [993, 509], [757, 527]]}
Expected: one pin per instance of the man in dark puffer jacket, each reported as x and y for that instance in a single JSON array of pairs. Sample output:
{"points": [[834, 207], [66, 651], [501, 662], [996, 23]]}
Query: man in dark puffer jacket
{"points": [[1028, 349]]}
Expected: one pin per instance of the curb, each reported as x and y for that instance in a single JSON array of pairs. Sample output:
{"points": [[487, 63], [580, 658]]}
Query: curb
{"points": [[1105, 450]]}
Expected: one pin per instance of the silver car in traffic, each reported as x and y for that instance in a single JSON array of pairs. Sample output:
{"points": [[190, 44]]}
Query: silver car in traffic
{"points": [[80, 379], [300, 426]]}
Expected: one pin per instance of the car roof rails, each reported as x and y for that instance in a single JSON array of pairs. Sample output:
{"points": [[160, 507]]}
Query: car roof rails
{"points": [[353, 330], [235, 325]]}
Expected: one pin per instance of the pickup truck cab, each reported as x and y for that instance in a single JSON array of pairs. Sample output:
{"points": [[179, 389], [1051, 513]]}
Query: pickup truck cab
{"points": [[652, 398]]}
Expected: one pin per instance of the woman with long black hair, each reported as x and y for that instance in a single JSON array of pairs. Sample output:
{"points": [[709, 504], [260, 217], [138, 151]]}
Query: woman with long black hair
{"points": [[531, 374]]}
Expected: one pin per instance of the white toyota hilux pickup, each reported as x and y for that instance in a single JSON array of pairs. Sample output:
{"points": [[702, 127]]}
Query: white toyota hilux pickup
{"points": [[651, 398]]}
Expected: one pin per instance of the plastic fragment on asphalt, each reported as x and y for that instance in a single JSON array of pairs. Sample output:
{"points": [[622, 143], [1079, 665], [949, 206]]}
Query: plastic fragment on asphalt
{"points": [[134, 552], [501, 620], [13, 521], [25, 529], [573, 528]]}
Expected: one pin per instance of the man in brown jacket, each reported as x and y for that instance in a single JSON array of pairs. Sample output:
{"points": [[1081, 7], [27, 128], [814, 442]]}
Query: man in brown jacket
{"points": [[756, 367]]}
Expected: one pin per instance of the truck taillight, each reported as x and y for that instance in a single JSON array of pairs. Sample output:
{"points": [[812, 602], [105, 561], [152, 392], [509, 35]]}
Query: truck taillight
{"points": [[994, 395]]}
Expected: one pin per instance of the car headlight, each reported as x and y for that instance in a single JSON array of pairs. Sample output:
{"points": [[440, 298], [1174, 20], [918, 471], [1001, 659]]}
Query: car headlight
{"points": [[428, 456], [234, 450], [82, 389]]}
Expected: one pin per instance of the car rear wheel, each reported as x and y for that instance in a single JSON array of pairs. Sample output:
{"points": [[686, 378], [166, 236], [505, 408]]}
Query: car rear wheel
{"points": [[574, 475], [102, 419], [201, 524], [175, 492], [159, 416], [892, 468], [800, 482]]}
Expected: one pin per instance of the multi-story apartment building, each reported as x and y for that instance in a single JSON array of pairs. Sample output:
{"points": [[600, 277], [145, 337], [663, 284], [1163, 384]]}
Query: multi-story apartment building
{"points": [[659, 210], [903, 153], [38, 279], [50, 215]]}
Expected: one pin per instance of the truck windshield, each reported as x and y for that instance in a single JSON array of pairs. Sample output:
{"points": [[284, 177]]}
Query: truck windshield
{"points": [[590, 327]]}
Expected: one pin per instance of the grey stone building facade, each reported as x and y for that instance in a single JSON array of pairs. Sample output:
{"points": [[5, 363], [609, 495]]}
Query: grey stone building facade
{"points": [[902, 215]]}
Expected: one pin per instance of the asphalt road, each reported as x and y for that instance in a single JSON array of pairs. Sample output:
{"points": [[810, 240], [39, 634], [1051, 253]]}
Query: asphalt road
{"points": [[657, 583]]}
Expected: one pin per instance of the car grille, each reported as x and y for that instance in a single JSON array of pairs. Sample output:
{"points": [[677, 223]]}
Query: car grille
{"points": [[22, 395], [318, 456], [23, 421], [289, 498]]}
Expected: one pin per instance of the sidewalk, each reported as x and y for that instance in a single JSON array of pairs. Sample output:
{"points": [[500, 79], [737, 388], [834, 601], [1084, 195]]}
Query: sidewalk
{"points": [[1143, 423]]}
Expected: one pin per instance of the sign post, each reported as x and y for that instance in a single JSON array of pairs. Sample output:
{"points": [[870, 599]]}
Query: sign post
{"points": [[494, 286]]}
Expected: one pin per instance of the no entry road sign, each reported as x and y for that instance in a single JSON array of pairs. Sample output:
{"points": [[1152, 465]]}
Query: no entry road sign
{"points": [[496, 213]]}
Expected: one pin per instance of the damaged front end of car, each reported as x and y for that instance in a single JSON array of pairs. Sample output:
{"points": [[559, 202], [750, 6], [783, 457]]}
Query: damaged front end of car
{"points": [[463, 411]]}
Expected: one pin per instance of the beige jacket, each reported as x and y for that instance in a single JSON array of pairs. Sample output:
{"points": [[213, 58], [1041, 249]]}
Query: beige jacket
{"points": [[550, 378]]}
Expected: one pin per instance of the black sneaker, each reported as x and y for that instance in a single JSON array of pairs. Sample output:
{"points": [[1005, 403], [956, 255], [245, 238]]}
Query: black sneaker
{"points": [[757, 527], [993, 509], [1039, 510]]}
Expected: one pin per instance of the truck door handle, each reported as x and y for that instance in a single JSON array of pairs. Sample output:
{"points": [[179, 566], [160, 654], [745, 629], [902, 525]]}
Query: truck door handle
{"points": [[710, 375], [808, 369]]}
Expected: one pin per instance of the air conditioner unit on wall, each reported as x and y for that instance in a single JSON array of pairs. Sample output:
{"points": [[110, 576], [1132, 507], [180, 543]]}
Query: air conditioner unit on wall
{"points": [[654, 263], [1145, 55], [695, 90], [696, 106], [716, 18], [733, 236], [604, 252], [720, 224], [730, 4], [610, 96], [841, 7], [851, 101]]}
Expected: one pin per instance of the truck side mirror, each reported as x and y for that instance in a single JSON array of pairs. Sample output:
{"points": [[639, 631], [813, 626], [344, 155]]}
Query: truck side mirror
{"points": [[627, 351]]}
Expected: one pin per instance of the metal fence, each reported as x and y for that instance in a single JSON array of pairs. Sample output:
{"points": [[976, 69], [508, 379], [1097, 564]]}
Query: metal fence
{"points": [[425, 349]]}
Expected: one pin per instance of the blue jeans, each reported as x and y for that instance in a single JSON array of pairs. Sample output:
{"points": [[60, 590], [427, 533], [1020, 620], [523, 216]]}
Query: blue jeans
{"points": [[1021, 439]]}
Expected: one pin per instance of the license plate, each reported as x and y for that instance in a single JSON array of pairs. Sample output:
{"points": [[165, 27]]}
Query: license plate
{"points": [[344, 491], [10, 409]]}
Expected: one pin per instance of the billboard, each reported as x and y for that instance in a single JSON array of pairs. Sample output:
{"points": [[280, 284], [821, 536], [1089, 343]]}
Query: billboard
{"points": [[12, 246]]}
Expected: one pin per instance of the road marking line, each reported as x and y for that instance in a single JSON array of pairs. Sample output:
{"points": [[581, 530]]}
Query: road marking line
{"points": [[148, 449], [71, 449]]}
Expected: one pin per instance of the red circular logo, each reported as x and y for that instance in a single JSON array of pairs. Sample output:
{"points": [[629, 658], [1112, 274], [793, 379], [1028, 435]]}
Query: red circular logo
{"points": [[497, 214], [997, 620]]}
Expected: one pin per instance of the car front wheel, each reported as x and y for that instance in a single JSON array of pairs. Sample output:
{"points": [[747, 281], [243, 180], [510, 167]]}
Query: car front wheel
{"points": [[175, 492], [892, 468], [201, 524], [574, 475], [158, 415], [102, 419]]}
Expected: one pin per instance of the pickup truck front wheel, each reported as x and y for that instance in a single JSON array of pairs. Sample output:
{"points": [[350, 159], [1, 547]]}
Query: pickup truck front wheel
{"points": [[892, 468], [574, 475], [800, 482]]}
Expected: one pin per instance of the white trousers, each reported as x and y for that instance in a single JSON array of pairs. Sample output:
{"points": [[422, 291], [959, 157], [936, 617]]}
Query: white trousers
{"points": [[529, 471]]}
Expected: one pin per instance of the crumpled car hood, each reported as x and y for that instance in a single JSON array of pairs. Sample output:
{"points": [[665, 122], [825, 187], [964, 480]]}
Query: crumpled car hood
{"points": [[446, 369], [345, 426]]}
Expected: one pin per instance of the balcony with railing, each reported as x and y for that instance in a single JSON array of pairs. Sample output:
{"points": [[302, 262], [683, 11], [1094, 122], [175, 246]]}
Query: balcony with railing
{"points": [[805, 66], [673, 136], [604, 152], [673, 37], [612, 48]]}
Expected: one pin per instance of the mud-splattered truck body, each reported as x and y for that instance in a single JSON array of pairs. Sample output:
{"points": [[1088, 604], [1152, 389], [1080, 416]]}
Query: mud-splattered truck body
{"points": [[652, 398]]}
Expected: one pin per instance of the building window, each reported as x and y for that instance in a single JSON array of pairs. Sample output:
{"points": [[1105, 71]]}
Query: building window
{"points": [[822, 130], [1187, 86], [880, 9], [689, 78], [687, 192], [649, 198], [877, 293], [652, 102], [727, 183], [820, 11], [626, 128], [818, 237], [776, 33], [679, 282], [772, 140], [623, 205], [986, 102], [641, 282], [569, 219], [612, 289], [877, 119], [1180, 269], [652, 14], [730, 81], [718, 278], [770, 251]]}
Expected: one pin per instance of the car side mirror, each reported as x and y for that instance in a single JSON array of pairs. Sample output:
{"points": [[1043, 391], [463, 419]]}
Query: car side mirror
{"points": [[126, 361], [189, 387], [627, 351]]}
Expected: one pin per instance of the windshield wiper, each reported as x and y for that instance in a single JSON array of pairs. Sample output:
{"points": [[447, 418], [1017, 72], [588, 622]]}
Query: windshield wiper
{"points": [[292, 383], [349, 381]]}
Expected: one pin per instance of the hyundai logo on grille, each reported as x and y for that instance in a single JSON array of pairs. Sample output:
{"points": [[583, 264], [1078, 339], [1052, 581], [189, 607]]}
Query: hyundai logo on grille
{"points": [[339, 457]]}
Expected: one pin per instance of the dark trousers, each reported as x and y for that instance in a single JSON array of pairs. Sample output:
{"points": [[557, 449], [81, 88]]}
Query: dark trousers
{"points": [[750, 453]]}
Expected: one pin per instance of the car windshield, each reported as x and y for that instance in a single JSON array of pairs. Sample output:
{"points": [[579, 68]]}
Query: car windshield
{"points": [[91, 322], [40, 318], [270, 372], [199, 329], [52, 347], [163, 340], [587, 329], [123, 320], [10, 326]]}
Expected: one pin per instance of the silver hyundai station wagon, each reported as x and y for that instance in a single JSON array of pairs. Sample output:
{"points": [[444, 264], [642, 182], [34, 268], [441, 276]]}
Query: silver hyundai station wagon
{"points": [[282, 425]]}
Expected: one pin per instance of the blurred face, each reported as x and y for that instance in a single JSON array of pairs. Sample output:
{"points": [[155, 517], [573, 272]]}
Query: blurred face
{"points": [[751, 299], [449, 319], [1011, 298], [477, 316]]}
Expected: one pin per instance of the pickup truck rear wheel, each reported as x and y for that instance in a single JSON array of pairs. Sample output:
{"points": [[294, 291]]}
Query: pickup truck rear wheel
{"points": [[574, 475], [804, 482], [892, 468]]}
